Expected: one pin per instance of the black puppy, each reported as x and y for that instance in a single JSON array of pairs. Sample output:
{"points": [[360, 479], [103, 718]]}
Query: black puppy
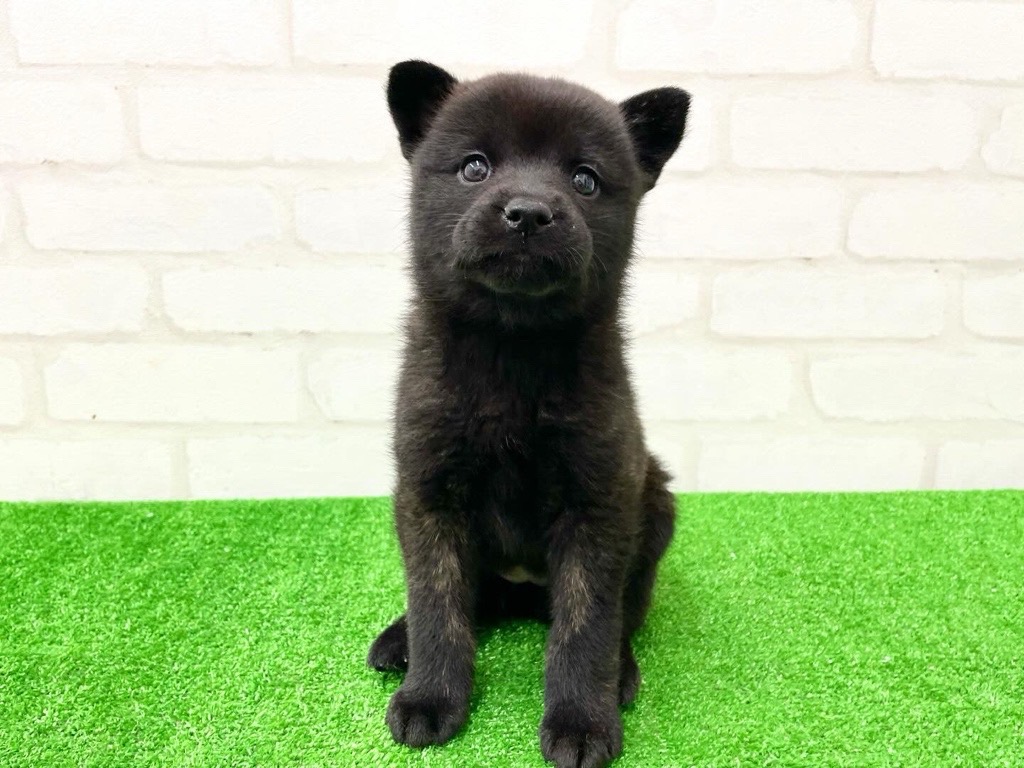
{"points": [[523, 481]]}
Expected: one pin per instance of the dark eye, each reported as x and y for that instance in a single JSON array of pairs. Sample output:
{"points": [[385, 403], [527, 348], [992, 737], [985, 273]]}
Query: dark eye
{"points": [[584, 181], [475, 168]]}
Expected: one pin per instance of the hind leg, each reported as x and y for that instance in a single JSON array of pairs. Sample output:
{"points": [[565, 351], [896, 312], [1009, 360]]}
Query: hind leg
{"points": [[390, 651], [498, 599], [629, 674], [659, 514]]}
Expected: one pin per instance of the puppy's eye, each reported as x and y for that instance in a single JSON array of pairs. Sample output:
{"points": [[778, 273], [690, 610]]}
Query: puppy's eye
{"points": [[475, 168], [584, 181]]}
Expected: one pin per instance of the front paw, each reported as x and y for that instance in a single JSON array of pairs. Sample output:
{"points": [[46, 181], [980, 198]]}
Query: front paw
{"points": [[420, 718], [572, 738]]}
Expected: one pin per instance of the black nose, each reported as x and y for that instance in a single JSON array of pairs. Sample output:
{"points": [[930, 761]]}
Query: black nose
{"points": [[525, 215]]}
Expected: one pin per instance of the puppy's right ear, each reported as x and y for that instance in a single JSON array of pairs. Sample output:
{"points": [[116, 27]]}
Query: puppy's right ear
{"points": [[416, 90]]}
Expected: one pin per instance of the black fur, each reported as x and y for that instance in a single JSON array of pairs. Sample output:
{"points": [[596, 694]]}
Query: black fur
{"points": [[519, 449]]}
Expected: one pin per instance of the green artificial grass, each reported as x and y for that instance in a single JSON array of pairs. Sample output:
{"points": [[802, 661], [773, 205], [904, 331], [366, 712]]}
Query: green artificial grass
{"points": [[787, 630]]}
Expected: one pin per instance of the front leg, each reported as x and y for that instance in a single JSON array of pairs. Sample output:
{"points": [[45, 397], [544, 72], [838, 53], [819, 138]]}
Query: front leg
{"points": [[582, 727], [432, 703]]}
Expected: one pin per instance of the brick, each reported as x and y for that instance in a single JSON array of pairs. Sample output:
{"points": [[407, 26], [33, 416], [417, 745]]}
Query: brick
{"points": [[994, 306], [977, 465], [687, 382], [1004, 152], [299, 119], [12, 394], [864, 130], [737, 36], [354, 462], [804, 463], [362, 217], [660, 296], [534, 33], [948, 221], [357, 299], [115, 32], [95, 216], [356, 383], [917, 384], [825, 302], [80, 299], [965, 39], [173, 383], [97, 469], [56, 122], [733, 219]]}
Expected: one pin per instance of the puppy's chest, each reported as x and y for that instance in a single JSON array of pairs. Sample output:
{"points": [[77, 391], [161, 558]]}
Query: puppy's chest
{"points": [[511, 431], [512, 457], [509, 395], [508, 419]]}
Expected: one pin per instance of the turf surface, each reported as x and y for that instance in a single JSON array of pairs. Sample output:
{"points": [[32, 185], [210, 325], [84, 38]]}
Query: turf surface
{"points": [[787, 630]]}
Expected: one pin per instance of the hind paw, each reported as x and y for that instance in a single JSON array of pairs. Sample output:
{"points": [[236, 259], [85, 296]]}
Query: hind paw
{"points": [[390, 651]]}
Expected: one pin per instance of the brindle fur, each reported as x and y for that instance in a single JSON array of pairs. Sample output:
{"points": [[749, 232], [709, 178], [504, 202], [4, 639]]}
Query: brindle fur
{"points": [[518, 444]]}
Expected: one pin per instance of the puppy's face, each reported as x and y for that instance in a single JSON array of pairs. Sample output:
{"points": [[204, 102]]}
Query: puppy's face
{"points": [[525, 190]]}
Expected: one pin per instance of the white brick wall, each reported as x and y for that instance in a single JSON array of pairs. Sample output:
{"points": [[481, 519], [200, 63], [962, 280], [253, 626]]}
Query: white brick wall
{"points": [[869, 130], [994, 306], [810, 463], [677, 381], [741, 219], [12, 395], [661, 296], [531, 33], [958, 39], [172, 383], [200, 32], [806, 302], [297, 119], [895, 386], [353, 299], [202, 237], [738, 36], [356, 383], [78, 298], [85, 469], [940, 220], [60, 121], [989, 464], [365, 217], [1004, 151], [353, 463], [101, 215]]}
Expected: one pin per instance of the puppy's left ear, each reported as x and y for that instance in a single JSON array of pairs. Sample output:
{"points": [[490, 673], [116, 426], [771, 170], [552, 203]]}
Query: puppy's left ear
{"points": [[416, 90], [656, 120]]}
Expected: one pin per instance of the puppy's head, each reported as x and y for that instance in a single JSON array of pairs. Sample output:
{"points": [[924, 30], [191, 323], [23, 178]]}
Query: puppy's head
{"points": [[525, 189]]}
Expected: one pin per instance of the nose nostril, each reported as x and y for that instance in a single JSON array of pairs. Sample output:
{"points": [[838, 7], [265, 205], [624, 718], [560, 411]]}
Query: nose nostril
{"points": [[526, 216]]}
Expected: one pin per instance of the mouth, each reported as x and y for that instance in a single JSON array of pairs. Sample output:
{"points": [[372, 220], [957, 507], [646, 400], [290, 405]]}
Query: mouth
{"points": [[516, 275], [516, 289]]}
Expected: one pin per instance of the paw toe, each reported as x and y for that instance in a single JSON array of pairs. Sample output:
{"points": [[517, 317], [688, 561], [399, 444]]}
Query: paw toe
{"points": [[571, 739], [418, 720]]}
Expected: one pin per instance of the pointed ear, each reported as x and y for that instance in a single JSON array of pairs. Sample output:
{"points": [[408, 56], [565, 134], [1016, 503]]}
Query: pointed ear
{"points": [[416, 89], [656, 120]]}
